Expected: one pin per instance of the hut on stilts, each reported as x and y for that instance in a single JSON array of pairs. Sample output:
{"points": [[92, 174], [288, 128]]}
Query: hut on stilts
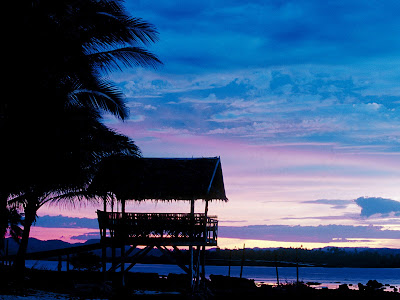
{"points": [[123, 179]]}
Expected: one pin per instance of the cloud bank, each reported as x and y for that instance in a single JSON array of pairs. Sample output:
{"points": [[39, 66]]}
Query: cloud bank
{"points": [[235, 34], [66, 222], [315, 234], [284, 233]]}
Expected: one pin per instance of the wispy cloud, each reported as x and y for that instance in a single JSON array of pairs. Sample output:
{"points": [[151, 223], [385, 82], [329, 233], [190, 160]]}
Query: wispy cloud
{"points": [[313, 106], [345, 216], [86, 236], [335, 204], [320, 234]]}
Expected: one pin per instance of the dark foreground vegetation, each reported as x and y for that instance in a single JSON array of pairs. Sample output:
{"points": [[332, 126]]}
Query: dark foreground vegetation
{"points": [[53, 125], [90, 285]]}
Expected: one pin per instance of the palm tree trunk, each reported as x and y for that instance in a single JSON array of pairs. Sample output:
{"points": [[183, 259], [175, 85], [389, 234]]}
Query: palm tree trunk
{"points": [[30, 213]]}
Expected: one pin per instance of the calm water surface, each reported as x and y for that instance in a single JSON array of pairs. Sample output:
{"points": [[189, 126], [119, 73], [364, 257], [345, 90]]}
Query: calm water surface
{"points": [[330, 277]]}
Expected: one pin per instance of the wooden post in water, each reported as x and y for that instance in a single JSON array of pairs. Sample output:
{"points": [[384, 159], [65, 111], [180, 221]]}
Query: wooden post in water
{"points": [[229, 263], [242, 263], [297, 267], [276, 269]]}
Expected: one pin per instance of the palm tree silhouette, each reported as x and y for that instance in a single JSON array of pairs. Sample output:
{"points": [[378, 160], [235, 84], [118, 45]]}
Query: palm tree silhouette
{"points": [[14, 220], [85, 145], [51, 123]]}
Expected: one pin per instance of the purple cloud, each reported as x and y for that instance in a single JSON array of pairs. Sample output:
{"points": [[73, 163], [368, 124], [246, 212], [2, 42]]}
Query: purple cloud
{"points": [[86, 236], [374, 205], [346, 216], [66, 222], [321, 233]]}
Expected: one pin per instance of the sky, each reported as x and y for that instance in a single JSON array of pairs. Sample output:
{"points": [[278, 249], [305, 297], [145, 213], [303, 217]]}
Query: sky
{"points": [[301, 101]]}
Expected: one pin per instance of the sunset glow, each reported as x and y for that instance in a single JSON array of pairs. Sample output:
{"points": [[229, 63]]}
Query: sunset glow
{"points": [[300, 100]]}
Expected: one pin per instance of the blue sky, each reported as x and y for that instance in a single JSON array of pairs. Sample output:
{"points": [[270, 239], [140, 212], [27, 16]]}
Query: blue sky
{"points": [[272, 72], [301, 100]]}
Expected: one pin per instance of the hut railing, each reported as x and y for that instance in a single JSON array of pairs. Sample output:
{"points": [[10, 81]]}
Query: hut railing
{"points": [[178, 227]]}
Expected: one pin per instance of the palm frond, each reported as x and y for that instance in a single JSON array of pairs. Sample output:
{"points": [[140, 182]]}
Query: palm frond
{"points": [[113, 143], [144, 31], [116, 30], [17, 201], [14, 220], [114, 25], [73, 198], [102, 95], [124, 57]]}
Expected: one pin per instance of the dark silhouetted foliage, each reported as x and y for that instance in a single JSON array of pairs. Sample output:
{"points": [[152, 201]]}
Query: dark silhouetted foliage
{"points": [[327, 257], [51, 118], [87, 261]]}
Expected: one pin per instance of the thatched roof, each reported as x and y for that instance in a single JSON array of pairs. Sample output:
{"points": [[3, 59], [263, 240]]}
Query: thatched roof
{"points": [[161, 178]]}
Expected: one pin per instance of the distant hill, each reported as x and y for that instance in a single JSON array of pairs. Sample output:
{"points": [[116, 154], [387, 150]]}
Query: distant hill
{"points": [[36, 245], [361, 249]]}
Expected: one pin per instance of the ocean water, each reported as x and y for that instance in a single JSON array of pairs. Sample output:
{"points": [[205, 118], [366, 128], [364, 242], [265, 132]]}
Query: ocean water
{"points": [[328, 277]]}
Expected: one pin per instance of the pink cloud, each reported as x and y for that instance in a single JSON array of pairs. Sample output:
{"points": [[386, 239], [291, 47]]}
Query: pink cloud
{"points": [[64, 234], [269, 181], [277, 160]]}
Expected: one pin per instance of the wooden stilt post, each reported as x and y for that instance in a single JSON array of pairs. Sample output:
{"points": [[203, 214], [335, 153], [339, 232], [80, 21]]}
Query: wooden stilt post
{"points": [[191, 267], [113, 263], [59, 267], [176, 257], [203, 252], [191, 243], [135, 258], [198, 264], [203, 266], [123, 244], [103, 241]]}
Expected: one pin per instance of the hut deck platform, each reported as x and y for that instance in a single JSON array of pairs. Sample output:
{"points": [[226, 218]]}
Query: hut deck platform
{"points": [[164, 229]]}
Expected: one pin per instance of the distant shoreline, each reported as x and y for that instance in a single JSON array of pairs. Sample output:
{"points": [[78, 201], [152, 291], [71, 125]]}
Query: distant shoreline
{"points": [[328, 257], [250, 264], [326, 276]]}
